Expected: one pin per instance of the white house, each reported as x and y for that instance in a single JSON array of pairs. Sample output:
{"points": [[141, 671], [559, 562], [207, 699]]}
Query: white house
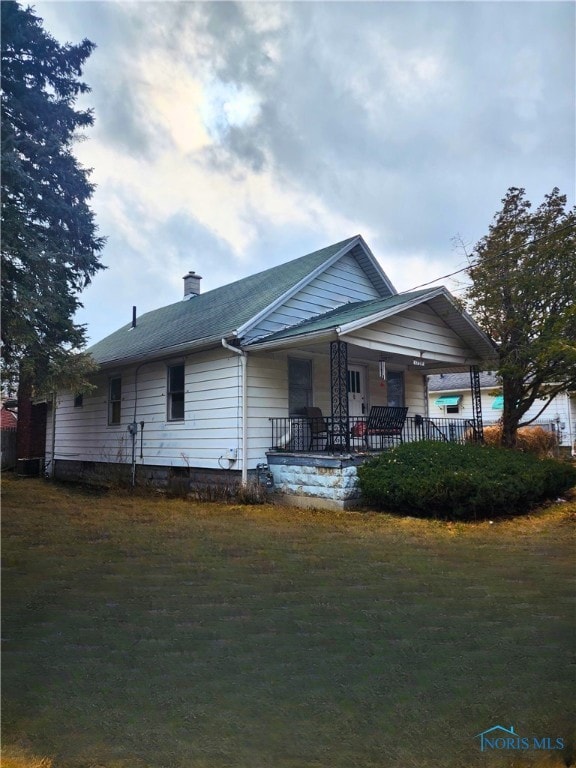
{"points": [[218, 383], [449, 395]]}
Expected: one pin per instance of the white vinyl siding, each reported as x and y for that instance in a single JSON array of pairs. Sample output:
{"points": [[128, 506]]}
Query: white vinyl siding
{"points": [[211, 425], [267, 399], [342, 283]]}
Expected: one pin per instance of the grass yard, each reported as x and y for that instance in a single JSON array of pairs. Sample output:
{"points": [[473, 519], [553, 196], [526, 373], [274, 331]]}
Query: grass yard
{"points": [[165, 634]]}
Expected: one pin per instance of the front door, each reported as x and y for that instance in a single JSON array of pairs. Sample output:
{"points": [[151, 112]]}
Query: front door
{"points": [[356, 391]]}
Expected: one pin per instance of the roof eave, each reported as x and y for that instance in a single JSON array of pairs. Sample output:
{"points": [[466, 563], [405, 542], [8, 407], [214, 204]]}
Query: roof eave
{"points": [[165, 352], [291, 341]]}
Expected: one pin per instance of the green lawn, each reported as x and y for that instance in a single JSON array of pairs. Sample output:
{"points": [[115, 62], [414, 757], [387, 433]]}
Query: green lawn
{"points": [[163, 633]]}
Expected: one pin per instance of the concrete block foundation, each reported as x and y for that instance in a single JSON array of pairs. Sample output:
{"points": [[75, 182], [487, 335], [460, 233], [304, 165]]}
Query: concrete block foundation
{"points": [[321, 482]]}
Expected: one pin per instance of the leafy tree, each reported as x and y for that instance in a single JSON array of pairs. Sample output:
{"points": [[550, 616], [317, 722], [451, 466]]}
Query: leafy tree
{"points": [[50, 246], [523, 294]]}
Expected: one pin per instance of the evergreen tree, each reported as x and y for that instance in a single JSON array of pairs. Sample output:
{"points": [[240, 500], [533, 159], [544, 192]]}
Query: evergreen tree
{"points": [[50, 246], [523, 294]]}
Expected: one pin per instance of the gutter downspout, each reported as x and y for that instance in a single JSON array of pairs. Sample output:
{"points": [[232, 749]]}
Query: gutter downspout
{"points": [[133, 427], [244, 380]]}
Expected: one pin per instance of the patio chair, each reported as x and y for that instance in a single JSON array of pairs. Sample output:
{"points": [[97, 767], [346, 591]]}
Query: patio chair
{"points": [[385, 422], [318, 428]]}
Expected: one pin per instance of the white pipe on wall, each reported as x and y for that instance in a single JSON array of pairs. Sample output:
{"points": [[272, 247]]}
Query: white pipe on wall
{"points": [[244, 398]]}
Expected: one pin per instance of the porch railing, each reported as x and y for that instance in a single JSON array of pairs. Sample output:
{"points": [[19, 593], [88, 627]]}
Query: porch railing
{"points": [[298, 434]]}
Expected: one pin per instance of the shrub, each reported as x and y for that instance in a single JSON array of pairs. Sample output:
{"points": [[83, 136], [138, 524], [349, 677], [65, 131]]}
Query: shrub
{"points": [[535, 440], [451, 481]]}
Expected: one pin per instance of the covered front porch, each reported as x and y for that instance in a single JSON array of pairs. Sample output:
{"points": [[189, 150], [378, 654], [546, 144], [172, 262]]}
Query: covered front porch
{"points": [[347, 403], [354, 382]]}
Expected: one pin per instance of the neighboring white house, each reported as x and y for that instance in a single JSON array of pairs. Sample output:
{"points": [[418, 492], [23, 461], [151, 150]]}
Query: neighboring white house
{"points": [[449, 395], [218, 383]]}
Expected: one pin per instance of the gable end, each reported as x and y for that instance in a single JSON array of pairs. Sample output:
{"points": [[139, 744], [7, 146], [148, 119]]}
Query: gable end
{"points": [[353, 275]]}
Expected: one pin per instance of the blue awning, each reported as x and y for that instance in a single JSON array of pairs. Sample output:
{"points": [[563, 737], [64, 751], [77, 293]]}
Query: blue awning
{"points": [[448, 400], [498, 404]]}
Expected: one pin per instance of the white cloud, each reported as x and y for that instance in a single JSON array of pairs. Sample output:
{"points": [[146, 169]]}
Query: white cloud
{"points": [[227, 105], [175, 99]]}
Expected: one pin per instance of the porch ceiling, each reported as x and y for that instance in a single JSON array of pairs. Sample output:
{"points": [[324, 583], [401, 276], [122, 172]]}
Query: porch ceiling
{"points": [[358, 354]]}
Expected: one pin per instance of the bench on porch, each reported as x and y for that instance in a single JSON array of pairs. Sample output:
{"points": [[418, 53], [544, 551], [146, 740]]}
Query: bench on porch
{"points": [[385, 422]]}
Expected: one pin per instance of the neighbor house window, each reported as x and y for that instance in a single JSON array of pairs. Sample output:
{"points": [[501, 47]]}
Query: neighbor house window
{"points": [[78, 401], [451, 403], [176, 392], [114, 399], [299, 385]]}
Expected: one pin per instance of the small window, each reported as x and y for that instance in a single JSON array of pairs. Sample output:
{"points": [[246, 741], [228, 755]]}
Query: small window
{"points": [[114, 399], [453, 409], [176, 392], [353, 379], [79, 401]]}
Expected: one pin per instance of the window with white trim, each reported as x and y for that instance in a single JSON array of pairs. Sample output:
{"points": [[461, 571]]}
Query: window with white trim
{"points": [[114, 399], [176, 392]]}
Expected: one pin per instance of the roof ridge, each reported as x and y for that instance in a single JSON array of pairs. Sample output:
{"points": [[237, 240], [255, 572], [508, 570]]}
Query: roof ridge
{"points": [[284, 264]]}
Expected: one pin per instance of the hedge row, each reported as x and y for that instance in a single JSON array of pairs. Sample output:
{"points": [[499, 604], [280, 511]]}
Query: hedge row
{"points": [[451, 481]]}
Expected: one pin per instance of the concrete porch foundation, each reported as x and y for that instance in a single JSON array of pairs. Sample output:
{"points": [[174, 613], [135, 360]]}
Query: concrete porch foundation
{"points": [[316, 481]]}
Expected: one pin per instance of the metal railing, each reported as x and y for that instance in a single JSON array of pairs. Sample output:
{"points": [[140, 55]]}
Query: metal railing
{"points": [[298, 434]]}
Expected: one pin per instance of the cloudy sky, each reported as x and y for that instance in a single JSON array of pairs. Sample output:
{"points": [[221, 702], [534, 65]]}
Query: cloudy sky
{"points": [[230, 137]]}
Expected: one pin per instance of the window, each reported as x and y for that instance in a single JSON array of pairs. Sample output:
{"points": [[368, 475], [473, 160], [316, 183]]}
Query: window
{"points": [[176, 392], [450, 402], [79, 401], [395, 380], [353, 379], [114, 399], [299, 385]]}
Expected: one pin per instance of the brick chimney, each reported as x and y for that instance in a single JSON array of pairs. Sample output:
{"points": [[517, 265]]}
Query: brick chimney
{"points": [[191, 285]]}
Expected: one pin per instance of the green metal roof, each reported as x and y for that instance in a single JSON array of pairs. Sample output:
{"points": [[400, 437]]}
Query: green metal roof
{"points": [[343, 315], [214, 314], [498, 403]]}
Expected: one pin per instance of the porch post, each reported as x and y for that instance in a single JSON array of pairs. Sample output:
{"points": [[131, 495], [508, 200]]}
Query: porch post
{"points": [[476, 402], [339, 393]]}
